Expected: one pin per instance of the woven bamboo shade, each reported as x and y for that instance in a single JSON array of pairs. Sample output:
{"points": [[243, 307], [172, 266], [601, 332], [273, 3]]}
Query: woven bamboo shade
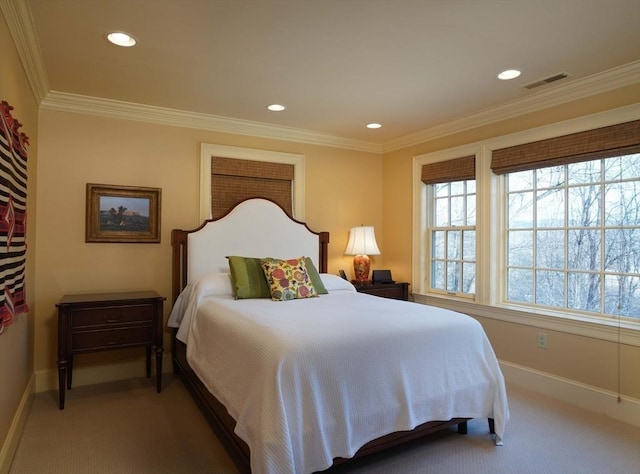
{"points": [[458, 169], [234, 180], [615, 140]]}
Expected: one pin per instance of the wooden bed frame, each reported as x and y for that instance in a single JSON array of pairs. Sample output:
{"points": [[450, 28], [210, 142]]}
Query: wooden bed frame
{"points": [[217, 415]]}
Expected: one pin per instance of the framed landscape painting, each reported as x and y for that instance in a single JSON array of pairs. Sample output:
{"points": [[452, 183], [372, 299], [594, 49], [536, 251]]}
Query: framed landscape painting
{"points": [[122, 214]]}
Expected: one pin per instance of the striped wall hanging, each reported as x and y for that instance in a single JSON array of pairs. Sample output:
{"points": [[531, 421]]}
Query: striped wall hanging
{"points": [[13, 216]]}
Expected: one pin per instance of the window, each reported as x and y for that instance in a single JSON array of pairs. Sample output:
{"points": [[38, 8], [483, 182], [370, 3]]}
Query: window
{"points": [[545, 230], [573, 236], [452, 235]]}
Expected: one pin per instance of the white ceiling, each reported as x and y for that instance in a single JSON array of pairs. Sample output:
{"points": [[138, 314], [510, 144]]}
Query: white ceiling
{"points": [[336, 64]]}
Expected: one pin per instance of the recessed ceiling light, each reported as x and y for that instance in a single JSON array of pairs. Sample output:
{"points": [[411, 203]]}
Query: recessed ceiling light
{"points": [[509, 74], [374, 125], [276, 107], [120, 38]]}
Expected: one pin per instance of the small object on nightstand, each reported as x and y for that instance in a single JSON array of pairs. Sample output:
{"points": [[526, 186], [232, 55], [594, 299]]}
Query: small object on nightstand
{"points": [[396, 291], [97, 322], [382, 276]]}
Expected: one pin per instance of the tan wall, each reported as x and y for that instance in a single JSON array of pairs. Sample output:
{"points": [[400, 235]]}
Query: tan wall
{"points": [[573, 357], [16, 343], [78, 149]]}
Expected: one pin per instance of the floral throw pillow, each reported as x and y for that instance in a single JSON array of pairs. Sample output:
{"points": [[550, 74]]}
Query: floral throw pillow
{"points": [[288, 279]]}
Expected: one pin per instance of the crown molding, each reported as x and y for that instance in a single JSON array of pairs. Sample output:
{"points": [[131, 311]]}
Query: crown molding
{"points": [[615, 78], [116, 109], [20, 23]]}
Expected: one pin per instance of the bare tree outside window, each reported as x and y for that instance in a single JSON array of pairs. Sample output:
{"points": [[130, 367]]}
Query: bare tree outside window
{"points": [[452, 235], [573, 236]]}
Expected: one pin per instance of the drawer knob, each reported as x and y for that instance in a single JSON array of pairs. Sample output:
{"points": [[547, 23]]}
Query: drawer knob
{"points": [[111, 320]]}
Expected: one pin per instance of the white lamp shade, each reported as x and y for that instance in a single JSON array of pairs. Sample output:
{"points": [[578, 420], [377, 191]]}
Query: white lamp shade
{"points": [[362, 241]]}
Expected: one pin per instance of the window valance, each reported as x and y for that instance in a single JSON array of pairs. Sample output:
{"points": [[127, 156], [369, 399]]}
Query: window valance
{"points": [[234, 180], [605, 142], [458, 169]]}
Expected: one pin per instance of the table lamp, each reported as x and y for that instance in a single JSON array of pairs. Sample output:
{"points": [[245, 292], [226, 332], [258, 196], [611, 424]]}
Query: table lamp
{"points": [[362, 243]]}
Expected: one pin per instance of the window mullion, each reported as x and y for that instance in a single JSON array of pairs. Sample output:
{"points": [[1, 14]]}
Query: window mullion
{"points": [[534, 229], [565, 249], [602, 237], [490, 207], [431, 219]]}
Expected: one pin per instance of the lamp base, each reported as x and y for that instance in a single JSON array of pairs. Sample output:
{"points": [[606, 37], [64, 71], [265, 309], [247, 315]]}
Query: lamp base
{"points": [[361, 266]]}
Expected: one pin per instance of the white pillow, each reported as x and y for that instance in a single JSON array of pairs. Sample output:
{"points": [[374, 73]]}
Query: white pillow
{"points": [[336, 283], [210, 284], [214, 284]]}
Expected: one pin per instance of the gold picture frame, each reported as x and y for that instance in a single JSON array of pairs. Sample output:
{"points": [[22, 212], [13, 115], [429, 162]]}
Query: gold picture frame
{"points": [[128, 214]]}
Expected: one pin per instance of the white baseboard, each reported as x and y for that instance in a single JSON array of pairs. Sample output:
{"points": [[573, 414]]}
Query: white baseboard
{"points": [[47, 380], [17, 425], [585, 396]]}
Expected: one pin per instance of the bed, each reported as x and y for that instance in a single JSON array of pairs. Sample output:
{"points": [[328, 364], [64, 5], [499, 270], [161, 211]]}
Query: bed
{"points": [[298, 385]]}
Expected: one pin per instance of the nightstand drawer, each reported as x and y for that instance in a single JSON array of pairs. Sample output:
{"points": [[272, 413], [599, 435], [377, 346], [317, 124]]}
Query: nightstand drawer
{"points": [[396, 291], [393, 292], [106, 316], [107, 338]]}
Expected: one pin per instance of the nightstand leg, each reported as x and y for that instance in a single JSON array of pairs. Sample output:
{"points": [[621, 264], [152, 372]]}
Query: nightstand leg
{"points": [[159, 353], [69, 370], [148, 348], [62, 380]]}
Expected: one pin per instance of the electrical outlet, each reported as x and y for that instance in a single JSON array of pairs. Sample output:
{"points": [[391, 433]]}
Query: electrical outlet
{"points": [[542, 340]]}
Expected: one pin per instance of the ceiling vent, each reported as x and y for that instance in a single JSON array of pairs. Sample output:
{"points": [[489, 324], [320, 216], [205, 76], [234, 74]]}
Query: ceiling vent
{"points": [[546, 80]]}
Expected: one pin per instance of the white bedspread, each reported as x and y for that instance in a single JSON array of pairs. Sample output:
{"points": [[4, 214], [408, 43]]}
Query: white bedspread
{"points": [[310, 380]]}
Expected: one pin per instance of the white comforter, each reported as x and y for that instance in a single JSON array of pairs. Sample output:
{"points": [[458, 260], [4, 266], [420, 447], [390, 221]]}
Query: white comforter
{"points": [[313, 379]]}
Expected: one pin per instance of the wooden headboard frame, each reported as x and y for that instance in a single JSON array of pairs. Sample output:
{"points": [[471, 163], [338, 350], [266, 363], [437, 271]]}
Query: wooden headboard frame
{"points": [[256, 227]]}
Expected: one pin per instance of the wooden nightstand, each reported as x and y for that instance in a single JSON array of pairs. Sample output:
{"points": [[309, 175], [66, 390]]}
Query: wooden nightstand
{"points": [[396, 291], [105, 321]]}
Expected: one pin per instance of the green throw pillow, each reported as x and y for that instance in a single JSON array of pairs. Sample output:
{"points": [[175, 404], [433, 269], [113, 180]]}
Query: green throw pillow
{"points": [[314, 276], [247, 278]]}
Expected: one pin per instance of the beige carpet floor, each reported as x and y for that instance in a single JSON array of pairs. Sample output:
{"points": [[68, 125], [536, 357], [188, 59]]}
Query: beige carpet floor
{"points": [[127, 428]]}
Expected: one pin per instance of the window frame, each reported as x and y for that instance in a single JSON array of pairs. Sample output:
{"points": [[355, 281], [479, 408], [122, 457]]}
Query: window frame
{"points": [[489, 300], [431, 227]]}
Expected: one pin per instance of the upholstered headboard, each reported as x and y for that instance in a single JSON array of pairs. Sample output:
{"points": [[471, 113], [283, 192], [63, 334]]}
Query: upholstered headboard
{"points": [[254, 228]]}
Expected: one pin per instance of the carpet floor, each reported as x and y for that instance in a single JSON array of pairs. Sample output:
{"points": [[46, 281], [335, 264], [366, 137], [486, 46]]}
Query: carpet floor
{"points": [[125, 427]]}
